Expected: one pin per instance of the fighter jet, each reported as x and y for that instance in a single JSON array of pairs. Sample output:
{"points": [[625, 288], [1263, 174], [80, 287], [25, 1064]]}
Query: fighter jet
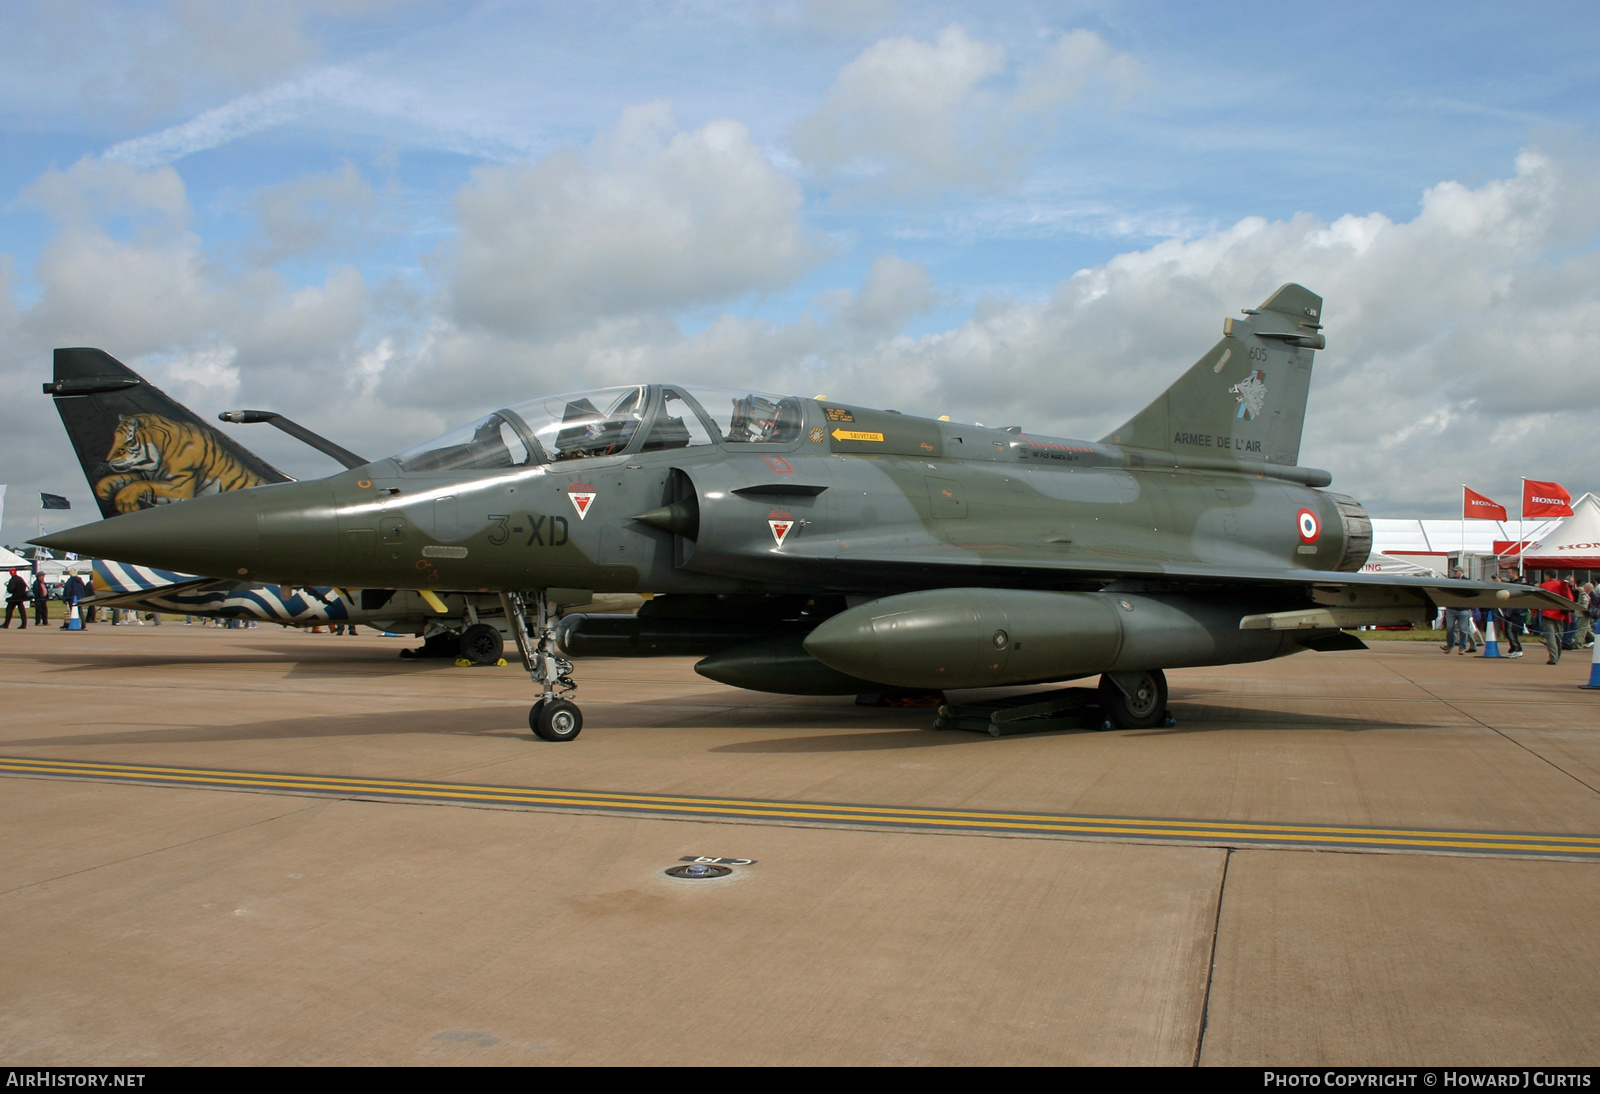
{"points": [[811, 546]]}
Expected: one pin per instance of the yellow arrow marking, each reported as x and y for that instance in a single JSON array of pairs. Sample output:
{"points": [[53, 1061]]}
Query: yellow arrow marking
{"points": [[855, 435]]}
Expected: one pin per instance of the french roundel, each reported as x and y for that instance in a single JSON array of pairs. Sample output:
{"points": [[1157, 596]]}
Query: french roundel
{"points": [[1309, 527]]}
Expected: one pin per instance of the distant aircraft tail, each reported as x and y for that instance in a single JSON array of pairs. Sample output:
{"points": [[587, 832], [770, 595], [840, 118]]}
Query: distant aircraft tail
{"points": [[1246, 398], [138, 446]]}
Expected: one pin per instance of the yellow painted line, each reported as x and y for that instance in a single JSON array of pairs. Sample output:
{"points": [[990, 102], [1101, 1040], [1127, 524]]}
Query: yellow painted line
{"points": [[1222, 833]]}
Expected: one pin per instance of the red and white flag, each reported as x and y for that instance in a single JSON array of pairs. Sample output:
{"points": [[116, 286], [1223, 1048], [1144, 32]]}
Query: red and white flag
{"points": [[1545, 499], [1474, 506]]}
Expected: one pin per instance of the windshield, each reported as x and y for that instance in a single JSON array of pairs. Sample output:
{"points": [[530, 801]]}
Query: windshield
{"points": [[487, 443], [751, 417], [550, 429], [557, 428]]}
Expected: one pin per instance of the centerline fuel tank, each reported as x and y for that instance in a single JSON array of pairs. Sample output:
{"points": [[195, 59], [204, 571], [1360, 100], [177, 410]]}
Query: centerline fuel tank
{"points": [[967, 638]]}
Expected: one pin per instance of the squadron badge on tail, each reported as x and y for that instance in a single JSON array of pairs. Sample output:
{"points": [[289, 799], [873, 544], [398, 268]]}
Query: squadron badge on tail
{"points": [[155, 460]]}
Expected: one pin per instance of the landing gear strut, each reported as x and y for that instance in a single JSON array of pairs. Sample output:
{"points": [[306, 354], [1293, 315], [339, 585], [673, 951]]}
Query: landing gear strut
{"points": [[552, 718]]}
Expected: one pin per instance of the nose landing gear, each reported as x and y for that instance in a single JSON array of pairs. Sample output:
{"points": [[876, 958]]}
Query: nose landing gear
{"points": [[553, 718]]}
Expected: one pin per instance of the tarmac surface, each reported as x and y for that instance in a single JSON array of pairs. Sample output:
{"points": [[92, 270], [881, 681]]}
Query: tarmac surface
{"points": [[263, 846]]}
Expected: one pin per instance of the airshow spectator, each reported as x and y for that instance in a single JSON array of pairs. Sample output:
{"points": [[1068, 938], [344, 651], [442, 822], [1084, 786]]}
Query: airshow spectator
{"points": [[1569, 637], [1510, 621], [1457, 627], [73, 590], [16, 599], [1588, 611], [41, 601], [1554, 620]]}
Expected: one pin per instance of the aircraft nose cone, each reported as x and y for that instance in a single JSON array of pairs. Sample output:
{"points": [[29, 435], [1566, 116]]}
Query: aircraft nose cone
{"points": [[192, 537], [265, 533]]}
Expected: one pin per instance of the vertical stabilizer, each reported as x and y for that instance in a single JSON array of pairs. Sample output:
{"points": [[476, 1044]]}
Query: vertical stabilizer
{"points": [[1246, 398], [139, 447]]}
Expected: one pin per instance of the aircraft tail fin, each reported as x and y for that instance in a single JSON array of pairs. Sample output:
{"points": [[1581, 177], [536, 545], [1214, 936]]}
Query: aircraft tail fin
{"points": [[1246, 398], [122, 584], [138, 446]]}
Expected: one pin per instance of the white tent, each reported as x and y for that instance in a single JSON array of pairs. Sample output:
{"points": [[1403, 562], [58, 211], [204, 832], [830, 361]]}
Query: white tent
{"points": [[1447, 537], [1574, 543], [9, 559], [1380, 563]]}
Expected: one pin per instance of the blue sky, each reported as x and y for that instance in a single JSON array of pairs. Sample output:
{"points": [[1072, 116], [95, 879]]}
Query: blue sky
{"points": [[386, 218]]}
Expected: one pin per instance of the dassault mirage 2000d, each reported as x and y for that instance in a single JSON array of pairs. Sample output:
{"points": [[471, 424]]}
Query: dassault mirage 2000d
{"points": [[814, 547]]}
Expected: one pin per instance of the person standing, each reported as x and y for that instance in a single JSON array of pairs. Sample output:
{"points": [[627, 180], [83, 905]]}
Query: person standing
{"points": [[1457, 626], [1569, 637], [16, 599], [1586, 615], [73, 590], [1554, 620], [1516, 623], [1513, 620], [41, 601], [1504, 627]]}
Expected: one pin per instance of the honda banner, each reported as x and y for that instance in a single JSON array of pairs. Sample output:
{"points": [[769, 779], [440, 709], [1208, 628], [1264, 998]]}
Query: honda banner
{"points": [[1474, 506], [1545, 499]]}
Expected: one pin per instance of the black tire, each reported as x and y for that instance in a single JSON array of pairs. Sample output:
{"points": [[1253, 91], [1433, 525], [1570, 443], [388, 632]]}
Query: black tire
{"points": [[481, 644], [443, 644], [555, 720], [1144, 709]]}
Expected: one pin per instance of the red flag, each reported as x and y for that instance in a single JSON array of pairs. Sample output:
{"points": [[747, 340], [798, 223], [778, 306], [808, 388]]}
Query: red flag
{"points": [[1474, 506], [1545, 499]]}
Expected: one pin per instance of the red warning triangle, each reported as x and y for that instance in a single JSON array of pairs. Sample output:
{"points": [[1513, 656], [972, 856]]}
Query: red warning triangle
{"points": [[582, 497], [781, 524]]}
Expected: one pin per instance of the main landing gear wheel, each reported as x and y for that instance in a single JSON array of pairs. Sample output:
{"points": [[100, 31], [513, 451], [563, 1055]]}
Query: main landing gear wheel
{"points": [[555, 719], [1134, 700], [481, 644], [443, 644]]}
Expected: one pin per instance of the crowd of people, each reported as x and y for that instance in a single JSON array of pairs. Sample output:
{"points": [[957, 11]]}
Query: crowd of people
{"points": [[21, 593], [1559, 630]]}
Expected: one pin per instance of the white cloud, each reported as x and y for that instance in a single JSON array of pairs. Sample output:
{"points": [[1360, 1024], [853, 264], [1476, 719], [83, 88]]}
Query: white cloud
{"points": [[1078, 58], [140, 60], [831, 16], [908, 114], [237, 118], [651, 218], [93, 189], [314, 212], [894, 291], [150, 294], [143, 291], [906, 108]]}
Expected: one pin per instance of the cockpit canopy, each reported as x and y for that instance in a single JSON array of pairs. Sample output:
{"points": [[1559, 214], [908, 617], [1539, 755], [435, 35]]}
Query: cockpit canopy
{"points": [[609, 422]]}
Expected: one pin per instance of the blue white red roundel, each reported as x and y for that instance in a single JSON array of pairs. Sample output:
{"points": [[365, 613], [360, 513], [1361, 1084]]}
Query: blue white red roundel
{"points": [[1308, 526]]}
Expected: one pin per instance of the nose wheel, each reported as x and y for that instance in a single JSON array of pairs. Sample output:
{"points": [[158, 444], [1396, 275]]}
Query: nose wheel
{"points": [[555, 720], [553, 717]]}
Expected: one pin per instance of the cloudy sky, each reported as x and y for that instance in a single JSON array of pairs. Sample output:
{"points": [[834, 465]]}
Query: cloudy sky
{"points": [[386, 218]]}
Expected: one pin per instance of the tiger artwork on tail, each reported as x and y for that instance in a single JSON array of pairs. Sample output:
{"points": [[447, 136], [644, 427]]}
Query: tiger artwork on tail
{"points": [[156, 460]]}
